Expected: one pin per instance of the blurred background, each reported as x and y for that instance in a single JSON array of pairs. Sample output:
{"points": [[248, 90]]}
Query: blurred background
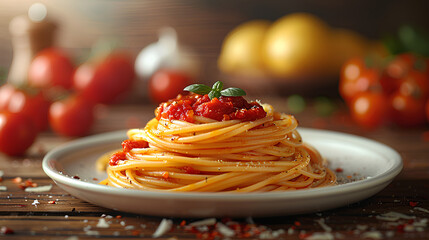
{"points": [[201, 25], [370, 55]]}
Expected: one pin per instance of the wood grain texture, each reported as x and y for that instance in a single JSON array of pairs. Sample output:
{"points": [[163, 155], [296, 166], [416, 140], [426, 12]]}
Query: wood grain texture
{"points": [[72, 217]]}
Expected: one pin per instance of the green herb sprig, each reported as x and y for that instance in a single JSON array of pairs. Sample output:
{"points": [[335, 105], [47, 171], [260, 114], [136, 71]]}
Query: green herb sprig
{"points": [[216, 91]]}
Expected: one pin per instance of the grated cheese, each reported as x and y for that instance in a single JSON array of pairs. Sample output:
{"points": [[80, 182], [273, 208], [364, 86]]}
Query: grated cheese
{"points": [[393, 216], [39, 189], [102, 223], [372, 235], [421, 209], [321, 236], [204, 222], [164, 227], [35, 202], [322, 223], [224, 230]]}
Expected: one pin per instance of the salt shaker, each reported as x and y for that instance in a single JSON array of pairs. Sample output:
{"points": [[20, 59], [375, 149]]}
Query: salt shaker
{"points": [[30, 34]]}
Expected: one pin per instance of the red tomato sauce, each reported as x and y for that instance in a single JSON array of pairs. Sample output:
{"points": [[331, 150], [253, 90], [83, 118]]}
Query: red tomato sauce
{"points": [[115, 158], [185, 107], [127, 145]]}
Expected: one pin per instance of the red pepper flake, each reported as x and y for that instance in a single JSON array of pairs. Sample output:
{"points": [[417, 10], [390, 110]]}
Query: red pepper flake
{"points": [[76, 177], [349, 177], [256, 231], [339, 170], [413, 204], [215, 234], [297, 223], [400, 228], [5, 230], [95, 179], [127, 145], [247, 234], [135, 232], [52, 202], [247, 227], [236, 227], [304, 235], [118, 216], [30, 183], [183, 223], [165, 175], [24, 184], [1, 179], [17, 180]]}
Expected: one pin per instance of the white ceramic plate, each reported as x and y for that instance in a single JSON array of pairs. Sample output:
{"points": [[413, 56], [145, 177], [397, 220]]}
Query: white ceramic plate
{"points": [[372, 164]]}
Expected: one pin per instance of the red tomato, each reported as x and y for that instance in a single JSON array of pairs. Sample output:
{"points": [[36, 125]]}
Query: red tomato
{"points": [[401, 67], [356, 78], [368, 109], [105, 80], [51, 67], [415, 83], [30, 102], [72, 116], [17, 133], [6, 92], [166, 84], [407, 110]]}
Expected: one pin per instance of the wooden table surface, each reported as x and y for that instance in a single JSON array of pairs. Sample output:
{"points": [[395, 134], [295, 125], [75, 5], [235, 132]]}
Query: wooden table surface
{"points": [[59, 215]]}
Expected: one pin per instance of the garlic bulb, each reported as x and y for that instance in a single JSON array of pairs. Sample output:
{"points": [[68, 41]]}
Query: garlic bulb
{"points": [[166, 53]]}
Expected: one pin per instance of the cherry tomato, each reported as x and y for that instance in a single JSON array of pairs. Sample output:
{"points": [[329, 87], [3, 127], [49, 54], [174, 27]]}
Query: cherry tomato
{"points": [[415, 84], [72, 116], [368, 109], [105, 80], [6, 92], [31, 102], [407, 110], [356, 78], [401, 67], [166, 84], [51, 67], [17, 133]]}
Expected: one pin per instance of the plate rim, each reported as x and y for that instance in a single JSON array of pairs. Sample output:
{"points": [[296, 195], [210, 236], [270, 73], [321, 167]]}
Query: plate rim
{"points": [[107, 137]]}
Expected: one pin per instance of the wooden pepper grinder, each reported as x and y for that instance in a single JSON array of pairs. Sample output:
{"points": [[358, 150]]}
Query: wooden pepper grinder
{"points": [[30, 34]]}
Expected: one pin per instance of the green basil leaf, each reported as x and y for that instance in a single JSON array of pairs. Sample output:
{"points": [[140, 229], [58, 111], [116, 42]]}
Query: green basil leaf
{"points": [[214, 94], [217, 86], [233, 92], [198, 89]]}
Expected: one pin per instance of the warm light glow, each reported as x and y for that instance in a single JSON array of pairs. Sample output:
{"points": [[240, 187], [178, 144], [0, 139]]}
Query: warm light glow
{"points": [[361, 105], [352, 71], [37, 12]]}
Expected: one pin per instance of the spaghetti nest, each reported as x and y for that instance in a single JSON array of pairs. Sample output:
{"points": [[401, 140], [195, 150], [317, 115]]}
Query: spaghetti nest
{"points": [[267, 154]]}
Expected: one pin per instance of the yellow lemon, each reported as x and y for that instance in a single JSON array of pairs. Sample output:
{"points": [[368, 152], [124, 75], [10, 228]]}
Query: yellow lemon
{"points": [[241, 49], [297, 45]]}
